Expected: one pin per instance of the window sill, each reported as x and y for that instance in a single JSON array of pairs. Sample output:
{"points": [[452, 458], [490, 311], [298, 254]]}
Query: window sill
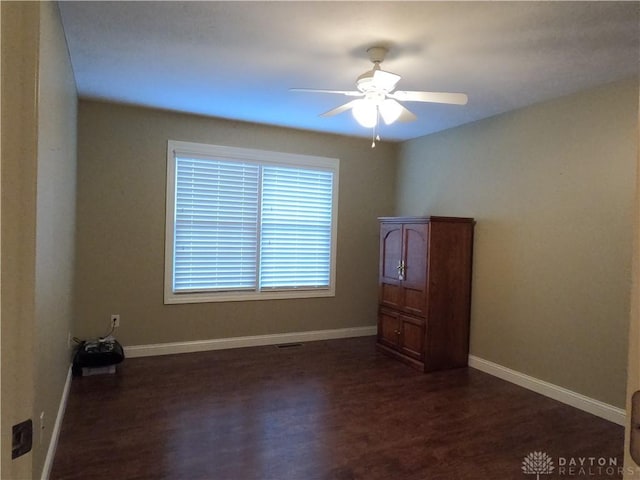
{"points": [[171, 298]]}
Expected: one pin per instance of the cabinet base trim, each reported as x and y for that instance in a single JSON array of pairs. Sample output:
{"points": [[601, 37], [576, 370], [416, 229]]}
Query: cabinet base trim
{"points": [[399, 356], [249, 341], [577, 400]]}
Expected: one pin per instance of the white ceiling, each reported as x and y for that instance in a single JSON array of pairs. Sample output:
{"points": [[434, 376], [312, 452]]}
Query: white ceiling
{"points": [[237, 60]]}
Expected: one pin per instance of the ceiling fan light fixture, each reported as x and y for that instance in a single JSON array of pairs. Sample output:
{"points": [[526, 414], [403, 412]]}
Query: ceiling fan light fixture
{"points": [[365, 112], [380, 99]]}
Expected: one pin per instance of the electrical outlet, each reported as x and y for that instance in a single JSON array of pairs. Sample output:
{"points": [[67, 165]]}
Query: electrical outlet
{"points": [[68, 340], [115, 320]]}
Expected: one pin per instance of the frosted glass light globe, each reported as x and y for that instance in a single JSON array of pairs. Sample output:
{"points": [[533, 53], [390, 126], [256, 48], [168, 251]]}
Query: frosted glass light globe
{"points": [[365, 112]]}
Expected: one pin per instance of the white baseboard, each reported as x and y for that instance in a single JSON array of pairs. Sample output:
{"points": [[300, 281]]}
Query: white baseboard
{"points": [[55, 434], [581, 402], [251, 341]]}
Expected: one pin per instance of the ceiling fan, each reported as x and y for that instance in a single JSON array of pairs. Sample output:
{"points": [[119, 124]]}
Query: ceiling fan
{"points": [[377, 98]]}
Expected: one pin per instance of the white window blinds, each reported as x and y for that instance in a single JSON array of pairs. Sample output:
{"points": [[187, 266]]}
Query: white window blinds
{"points": [[248, 224], [216, 218], [295, 247]]}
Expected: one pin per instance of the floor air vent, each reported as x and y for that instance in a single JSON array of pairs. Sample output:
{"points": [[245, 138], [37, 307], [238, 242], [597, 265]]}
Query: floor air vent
{"points": [[289, 345]]}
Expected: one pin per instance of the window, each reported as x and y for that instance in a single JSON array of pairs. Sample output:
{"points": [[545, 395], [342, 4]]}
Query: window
{"points": [[248, 224]]}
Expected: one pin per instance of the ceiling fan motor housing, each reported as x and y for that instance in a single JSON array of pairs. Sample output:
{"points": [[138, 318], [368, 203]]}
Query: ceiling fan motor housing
{"points": [[365, 81], [377, 54]]}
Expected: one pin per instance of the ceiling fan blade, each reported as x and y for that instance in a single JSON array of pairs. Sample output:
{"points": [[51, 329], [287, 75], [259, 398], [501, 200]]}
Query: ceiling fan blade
{"points": [[349, 93], [433, 97], [385, 80], [406, 115], [391, 111], [340, 109]]}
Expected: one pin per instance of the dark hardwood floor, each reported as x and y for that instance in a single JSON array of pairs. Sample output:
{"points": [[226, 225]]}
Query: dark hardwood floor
{"points": [[326, 410]]}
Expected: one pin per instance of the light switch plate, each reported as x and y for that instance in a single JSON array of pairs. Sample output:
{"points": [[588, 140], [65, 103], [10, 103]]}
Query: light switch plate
{"points": [[21, 438]]}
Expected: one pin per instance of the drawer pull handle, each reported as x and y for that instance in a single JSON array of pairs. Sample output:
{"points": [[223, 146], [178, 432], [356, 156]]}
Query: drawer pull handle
{"points": [[401, 269]]}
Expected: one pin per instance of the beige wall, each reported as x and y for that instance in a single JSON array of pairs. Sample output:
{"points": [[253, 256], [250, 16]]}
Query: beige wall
{"points": [[633, 363], [55, 223], [19, 150], [552, 190], [121, 216], [38, 209]]}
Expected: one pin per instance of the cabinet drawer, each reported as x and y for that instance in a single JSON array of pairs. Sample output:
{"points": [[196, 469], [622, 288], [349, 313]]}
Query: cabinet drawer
{"points": [[388, 328], [412, 331], [402, 332]]}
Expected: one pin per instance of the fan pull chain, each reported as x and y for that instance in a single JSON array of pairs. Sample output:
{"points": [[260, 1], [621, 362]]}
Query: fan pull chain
{"points": [[375, 136]]}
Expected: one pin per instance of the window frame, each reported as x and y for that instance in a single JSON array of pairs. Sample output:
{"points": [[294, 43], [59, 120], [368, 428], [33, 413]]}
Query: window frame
{"points": [[261, 157]]}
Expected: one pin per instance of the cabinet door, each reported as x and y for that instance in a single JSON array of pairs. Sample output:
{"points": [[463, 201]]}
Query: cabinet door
{"points": [[411, 340], [414, 284], [388, 328], [390, 258]]}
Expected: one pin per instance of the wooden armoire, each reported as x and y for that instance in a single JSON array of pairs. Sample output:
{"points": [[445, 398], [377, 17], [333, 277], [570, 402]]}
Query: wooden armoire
{"points": [[425, 290]]}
